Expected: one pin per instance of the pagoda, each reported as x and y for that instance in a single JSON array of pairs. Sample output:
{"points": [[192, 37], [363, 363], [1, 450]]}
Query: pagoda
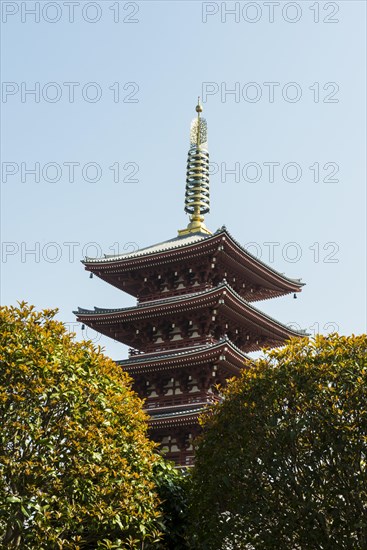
{"points": [[194, 321]]}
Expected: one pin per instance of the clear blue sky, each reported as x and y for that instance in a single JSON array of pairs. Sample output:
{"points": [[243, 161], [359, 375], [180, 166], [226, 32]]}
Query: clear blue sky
{"points": [[159, 64]]}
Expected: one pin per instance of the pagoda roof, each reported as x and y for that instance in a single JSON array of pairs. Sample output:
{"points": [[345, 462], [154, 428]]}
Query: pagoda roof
{"points": [[221, 296], [168, 304], [164, 246], [183, 248], [188, 417], [168, 360]]}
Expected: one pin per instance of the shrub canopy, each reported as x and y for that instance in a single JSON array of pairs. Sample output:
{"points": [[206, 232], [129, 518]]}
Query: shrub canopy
{"points": [[76, 467], [282, 461]]}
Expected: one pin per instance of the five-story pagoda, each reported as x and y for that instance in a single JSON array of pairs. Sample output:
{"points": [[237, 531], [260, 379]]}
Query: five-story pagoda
{"points": [[194, 320]]}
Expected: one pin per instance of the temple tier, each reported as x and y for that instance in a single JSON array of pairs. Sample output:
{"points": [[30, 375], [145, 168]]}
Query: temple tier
{"points": [[194, 320]]}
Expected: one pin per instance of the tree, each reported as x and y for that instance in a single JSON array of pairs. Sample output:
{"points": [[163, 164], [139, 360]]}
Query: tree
{"points": [[76, 466], [282, 461], [172, 488]]}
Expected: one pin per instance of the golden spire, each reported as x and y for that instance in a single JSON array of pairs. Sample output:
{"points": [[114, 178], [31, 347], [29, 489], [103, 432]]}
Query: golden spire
{"points": [[197, 201]]}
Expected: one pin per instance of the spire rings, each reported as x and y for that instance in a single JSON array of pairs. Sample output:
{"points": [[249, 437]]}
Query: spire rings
{"points": [[197, 199]]}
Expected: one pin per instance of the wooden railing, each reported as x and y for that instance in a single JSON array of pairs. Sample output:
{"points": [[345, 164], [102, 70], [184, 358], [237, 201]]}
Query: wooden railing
{"points": [[176, 401]]}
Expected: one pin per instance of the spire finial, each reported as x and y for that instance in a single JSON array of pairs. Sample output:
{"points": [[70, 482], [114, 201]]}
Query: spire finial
{"points": [[199, 108], [197, 176]]}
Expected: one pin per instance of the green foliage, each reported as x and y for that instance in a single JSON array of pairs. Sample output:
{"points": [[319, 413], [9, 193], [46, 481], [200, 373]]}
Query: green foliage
{"points": [[172, 488], [76, 467], [282, 462]]}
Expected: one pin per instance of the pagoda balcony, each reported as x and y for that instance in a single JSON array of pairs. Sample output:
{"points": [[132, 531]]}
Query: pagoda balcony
{"points": [[172, 402]]}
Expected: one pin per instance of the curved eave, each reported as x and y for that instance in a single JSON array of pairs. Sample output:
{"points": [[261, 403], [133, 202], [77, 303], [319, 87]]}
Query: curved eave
{"points": [[222, 296], [221, 241], [184, 418], [225, 352], [253, 266]]}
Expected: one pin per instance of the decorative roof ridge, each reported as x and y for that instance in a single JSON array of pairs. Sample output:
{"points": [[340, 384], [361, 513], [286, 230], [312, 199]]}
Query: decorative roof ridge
{"points": [[172, 299], [193, 239], [154, 356]]}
